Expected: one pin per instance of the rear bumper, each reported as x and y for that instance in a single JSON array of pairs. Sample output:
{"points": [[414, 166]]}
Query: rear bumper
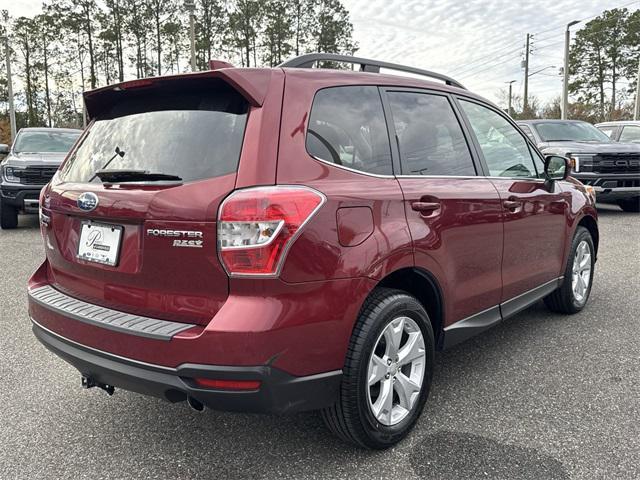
{"points": [[301, 329], [279, 392]]}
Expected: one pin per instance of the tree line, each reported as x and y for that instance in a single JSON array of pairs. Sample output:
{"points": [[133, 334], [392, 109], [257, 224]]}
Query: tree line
{"points": [[603, 67], [76, 45]]}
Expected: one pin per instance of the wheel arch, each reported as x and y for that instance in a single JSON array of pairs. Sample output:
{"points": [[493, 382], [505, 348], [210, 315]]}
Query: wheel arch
{"points": [[425, 287], [591, 224]]}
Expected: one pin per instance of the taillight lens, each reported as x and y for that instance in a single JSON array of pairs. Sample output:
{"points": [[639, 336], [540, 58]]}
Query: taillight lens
{"points": [[256, 227]]}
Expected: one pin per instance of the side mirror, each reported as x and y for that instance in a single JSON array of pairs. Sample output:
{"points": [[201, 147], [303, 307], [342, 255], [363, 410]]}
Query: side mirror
{"points": [[556, 167], [4, 149]]}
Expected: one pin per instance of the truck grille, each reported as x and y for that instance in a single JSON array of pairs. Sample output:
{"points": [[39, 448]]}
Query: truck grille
{"points": [[616, 163], [35, 175]]}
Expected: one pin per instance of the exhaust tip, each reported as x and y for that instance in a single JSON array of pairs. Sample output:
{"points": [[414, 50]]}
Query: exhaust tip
{"points": [[195, 404]]}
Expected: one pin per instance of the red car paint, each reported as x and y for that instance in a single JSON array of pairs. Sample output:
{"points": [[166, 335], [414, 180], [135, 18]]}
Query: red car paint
{"points": [[478, 253]]}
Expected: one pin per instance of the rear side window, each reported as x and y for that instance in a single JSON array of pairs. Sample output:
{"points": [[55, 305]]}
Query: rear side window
{"points": [[430, 138], [193, 135], [347, 127], [630, 133]]}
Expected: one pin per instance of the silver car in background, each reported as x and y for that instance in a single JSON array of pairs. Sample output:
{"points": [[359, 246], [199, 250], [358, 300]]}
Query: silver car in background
{"points": [[622, 130], [30, 163]]}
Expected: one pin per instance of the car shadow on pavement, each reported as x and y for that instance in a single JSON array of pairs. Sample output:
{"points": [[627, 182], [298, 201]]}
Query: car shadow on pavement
{"points": [[462, 456], [258, 446]]}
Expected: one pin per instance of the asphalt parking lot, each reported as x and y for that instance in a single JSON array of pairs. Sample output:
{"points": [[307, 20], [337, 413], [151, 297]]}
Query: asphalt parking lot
{"points": [[539, 396]]}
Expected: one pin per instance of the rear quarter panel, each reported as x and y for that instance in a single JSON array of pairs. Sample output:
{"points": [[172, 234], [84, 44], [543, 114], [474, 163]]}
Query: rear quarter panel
{"points": [[318, 254]]}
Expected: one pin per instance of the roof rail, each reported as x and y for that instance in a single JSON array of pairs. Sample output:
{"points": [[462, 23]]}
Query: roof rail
{"points": [[366, 65]]}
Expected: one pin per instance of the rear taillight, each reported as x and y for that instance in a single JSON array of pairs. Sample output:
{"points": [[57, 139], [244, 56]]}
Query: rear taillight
{"points": [[257, 226]]}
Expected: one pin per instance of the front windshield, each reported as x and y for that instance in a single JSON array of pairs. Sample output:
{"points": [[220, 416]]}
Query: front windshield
{"points": [[45, 142], [570, 132]]}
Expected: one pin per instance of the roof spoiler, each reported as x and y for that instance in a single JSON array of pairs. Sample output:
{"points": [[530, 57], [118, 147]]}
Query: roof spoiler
{"points": [[251, 83]]}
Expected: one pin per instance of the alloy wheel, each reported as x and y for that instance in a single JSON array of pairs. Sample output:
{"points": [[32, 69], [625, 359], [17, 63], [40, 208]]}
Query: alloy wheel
{"points": [[396, 371], [581, 272]]}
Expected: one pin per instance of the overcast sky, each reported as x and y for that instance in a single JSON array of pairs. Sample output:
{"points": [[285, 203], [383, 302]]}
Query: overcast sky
{"points": [[478, 42]]}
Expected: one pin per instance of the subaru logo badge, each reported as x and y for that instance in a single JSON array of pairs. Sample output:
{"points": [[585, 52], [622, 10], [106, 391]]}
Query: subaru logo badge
{"points": [[87, 201]]}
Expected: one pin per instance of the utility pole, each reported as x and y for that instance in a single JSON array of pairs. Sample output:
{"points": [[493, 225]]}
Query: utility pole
{"points": [[525, 102], [510, 110], [636, 112], [564, 107], [190, 6], [7, 51]]}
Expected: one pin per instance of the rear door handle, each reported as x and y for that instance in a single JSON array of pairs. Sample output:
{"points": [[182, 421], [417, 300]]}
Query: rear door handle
{"points": [[512, 204], [425, 206]]}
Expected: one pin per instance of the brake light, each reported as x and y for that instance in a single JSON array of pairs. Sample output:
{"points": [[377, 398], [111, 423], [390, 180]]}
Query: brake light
{"points": [[257, 226], [228, 384], [144, 82]]}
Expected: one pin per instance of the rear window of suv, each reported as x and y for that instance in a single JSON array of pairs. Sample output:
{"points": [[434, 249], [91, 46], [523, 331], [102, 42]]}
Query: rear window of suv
{"points": [[193, 135]]}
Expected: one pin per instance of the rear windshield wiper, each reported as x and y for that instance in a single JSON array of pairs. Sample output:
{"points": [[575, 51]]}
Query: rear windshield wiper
{"points": [[123, 176]]}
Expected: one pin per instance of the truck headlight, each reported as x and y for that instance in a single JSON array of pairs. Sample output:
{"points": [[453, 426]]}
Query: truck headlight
{"points": [[581, 162], [10, 174]]}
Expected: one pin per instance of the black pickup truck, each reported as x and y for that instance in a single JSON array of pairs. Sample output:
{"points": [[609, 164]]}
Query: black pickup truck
{"points": [[30, 163], [611, 168]]}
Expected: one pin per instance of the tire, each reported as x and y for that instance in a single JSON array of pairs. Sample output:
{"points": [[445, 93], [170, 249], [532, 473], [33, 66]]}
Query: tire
{"points": [[8, 216], [566, 299], [630, 204], [352, 417]]}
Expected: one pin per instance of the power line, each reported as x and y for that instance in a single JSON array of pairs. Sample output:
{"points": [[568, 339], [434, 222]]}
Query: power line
{"points": [[587, 18], [491, 55], [468, 68], [469, 74], [547, 46], [471, 66]]}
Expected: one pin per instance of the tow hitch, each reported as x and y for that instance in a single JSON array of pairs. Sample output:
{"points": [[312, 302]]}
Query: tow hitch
{"points": [[88, 382]]}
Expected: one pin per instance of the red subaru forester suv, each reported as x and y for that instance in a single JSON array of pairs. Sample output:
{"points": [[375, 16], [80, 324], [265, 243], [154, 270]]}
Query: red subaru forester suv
{"points": [[296, 238]]}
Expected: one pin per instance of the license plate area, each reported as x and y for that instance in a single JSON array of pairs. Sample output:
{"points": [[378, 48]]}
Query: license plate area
{"points": [[100, 243]]}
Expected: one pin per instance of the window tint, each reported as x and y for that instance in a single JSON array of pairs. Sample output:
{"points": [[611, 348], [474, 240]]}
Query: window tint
{"points": [[630, 133], [538, 160], [347, 127], [193, 135], [504, 148], [429, 136], [527, 131]]}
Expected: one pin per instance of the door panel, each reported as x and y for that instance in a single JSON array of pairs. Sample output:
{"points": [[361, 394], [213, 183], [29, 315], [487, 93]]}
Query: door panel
{"points": [[454, 216], [534, 233], [461, 239], [534, 212]]}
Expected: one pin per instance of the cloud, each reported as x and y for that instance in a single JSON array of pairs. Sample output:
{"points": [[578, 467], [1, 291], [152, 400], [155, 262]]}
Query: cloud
{"points": [[478, 42]]}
